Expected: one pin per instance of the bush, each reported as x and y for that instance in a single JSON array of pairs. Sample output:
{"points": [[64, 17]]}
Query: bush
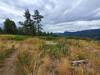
{"points": [[56, 51]]}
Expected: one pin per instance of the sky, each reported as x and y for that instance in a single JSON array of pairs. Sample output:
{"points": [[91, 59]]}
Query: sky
{"points": [[59, 15]]}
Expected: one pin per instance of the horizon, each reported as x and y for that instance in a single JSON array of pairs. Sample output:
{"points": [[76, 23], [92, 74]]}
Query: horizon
{"points": [[76, 15]]}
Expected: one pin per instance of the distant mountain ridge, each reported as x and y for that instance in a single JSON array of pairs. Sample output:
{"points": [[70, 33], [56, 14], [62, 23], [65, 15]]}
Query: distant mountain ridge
{"points": [[92, 33]]}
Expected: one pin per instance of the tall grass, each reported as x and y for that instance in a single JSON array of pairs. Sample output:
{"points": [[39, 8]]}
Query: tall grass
{"points": [[35, 57], [4, 54], [38, 58], [29, 57], [6, 48]]}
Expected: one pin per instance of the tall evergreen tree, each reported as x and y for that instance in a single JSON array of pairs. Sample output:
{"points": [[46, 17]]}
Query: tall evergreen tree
{"points": [[1, 31], [37, 17], [28, 24], [10, 26], [20, 30]]}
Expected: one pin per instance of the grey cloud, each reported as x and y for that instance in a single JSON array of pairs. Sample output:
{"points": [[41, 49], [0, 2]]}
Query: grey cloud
{"points": [[73, 26], [55, 12]]}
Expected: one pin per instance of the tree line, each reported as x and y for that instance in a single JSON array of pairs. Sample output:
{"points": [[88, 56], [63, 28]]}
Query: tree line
{"points": [[30, 26]]}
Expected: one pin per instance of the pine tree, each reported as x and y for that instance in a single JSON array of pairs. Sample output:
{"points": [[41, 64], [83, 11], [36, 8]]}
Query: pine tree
{"points": [[37, 17], [28, 24], [1, 31]]}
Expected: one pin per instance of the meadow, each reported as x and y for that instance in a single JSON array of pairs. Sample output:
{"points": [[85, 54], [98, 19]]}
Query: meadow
{"points": [[50, 55]]}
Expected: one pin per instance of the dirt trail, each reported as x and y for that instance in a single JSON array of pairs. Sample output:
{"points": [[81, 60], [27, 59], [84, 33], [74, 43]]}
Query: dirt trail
{"points": [[9, 67]]}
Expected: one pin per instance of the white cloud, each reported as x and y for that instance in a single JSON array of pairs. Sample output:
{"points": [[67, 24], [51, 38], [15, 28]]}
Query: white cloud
{"points": [[73, 26], [59, 15]]}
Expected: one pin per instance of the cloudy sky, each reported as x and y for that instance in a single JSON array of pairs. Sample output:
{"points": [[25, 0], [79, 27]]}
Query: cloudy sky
{"points": [[59, 15]]}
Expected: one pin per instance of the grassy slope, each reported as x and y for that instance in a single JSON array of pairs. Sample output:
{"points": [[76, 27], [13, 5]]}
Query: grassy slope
{"points": [[37, 57]]}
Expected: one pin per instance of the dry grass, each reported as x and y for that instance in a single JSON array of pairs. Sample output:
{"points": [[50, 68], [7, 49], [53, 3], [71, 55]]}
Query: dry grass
{"points": [[63, 67], [6, 48], [35, 57], [29, 56]]}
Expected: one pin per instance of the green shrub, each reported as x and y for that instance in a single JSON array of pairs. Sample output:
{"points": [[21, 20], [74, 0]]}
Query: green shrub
{"points": [[23, 61], [56, 51]]}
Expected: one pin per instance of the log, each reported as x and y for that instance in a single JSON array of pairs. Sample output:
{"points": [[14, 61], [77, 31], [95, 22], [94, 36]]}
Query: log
{"points": [[78, 62]]}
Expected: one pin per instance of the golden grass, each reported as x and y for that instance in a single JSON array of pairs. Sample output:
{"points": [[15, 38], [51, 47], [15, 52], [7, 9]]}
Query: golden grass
{"points": [[6, 48], [40, 64], [32, 61]]}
